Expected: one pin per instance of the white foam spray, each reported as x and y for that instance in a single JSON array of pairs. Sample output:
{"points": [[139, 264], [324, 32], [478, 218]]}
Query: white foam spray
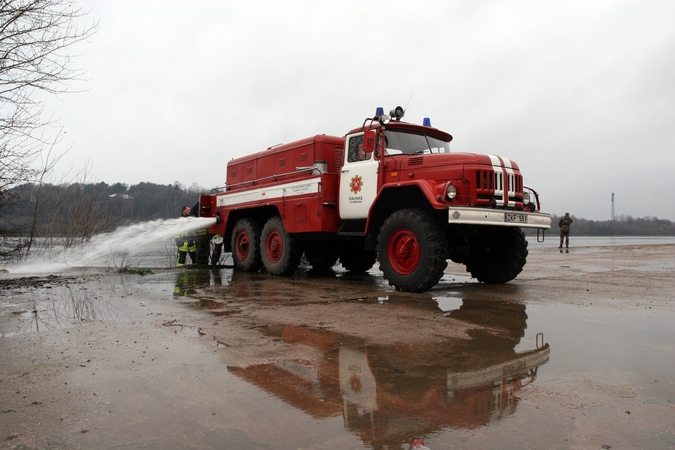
{"points": [[128, 241]]}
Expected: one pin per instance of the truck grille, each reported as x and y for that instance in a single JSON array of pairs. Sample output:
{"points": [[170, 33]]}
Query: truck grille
{"points": [[484, 180], [495, 183]]}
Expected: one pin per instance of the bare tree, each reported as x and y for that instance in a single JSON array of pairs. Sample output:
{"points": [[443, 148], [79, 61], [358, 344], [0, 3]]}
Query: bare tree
{"points": [[35, 59], [35, 36], [39, 197]]}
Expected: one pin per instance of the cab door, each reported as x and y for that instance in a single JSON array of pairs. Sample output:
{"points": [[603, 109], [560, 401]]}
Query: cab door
{"points": [[358, 179]]}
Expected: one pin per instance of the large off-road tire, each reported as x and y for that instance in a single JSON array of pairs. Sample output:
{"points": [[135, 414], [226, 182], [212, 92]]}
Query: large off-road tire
{"points": [[412, 250], [246, 245], [497, 255], [355, 258], [281, 252], [321, 256]]}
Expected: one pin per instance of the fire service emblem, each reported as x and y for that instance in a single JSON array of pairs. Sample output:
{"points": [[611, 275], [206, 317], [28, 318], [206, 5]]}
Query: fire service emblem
{"points": [[356, 184]]}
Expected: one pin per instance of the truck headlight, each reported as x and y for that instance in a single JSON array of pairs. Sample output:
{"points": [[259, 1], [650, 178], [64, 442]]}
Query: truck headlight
{"points": [[451, 192], [526, 198]]}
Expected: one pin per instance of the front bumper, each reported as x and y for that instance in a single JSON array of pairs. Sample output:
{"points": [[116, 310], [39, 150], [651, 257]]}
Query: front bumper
{"points": [[495, 217]]}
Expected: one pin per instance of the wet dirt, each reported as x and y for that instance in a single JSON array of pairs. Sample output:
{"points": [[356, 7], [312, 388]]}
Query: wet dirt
{"points": [[577, 353]]}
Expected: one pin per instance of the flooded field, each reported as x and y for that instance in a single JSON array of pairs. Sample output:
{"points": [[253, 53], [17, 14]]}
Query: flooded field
{"points": [[577, 353]]}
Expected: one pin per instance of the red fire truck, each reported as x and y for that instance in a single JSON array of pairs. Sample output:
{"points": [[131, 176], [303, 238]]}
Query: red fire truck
{"points": [[388, 190]]}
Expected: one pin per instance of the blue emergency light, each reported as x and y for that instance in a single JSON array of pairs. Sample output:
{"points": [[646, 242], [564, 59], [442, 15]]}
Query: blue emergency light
{"points": [[426, 122]]}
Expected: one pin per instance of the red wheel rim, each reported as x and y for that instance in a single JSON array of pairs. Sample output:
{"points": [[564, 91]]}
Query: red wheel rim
{"points": [[404, 251], [242, 245], [274, 247]]}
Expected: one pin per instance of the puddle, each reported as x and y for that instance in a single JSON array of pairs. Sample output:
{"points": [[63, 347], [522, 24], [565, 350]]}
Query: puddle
{"points": [[448, 302], [49, 303], [615, 346], [448, 391], [387, 393]]}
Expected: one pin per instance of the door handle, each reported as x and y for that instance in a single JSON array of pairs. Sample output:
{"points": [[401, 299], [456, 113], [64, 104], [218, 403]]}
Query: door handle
{"points": [[345, 170]]}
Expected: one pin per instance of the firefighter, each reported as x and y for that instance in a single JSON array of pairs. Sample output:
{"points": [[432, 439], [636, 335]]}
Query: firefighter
{"points": [[564, 224], [186, 243], [202, 240]]}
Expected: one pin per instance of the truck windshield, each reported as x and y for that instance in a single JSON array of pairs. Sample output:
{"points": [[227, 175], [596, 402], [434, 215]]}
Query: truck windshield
{"points": [[398, 142]]}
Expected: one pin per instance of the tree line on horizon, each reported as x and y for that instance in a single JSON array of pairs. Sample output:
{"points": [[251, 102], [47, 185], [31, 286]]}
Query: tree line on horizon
{"points": [[72, 212], [98, 206], [84, 209], [625, 225]]}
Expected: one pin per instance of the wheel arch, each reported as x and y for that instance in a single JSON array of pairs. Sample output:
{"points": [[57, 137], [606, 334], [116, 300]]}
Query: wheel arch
{"points": [[261, 214], [395, 198]]}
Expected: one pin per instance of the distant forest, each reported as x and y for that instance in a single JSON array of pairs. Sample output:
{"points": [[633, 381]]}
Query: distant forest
{"points": [[79, 209], [83, 209], [625, 225]]}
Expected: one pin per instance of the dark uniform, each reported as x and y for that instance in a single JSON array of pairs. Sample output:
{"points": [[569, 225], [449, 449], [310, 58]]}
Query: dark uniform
{"points": [[202, 240], [564, 224]]}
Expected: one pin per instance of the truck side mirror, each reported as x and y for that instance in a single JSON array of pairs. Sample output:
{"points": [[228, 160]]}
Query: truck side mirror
{"points": [[369, 141]]}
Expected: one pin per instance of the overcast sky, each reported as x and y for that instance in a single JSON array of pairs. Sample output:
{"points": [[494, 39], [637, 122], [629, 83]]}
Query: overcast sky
{"points": [[581, 94]]}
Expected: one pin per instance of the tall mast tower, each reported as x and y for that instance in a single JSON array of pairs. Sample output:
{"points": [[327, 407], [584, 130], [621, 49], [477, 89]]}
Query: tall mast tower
{"points": [[613, 216]]}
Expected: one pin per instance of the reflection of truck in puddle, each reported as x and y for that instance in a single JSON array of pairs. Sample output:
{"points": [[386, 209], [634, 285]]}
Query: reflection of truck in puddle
{"points": [[388, 394]]}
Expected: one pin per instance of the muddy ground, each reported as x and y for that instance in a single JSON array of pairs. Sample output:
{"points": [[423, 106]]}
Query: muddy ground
{"points": [[578, 352]]}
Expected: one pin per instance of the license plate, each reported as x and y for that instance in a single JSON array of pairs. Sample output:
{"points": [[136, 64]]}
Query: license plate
{"points": [[518, 218]]}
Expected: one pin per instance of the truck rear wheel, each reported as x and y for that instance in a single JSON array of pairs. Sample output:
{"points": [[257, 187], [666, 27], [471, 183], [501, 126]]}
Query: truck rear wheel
{"points": [[281, 252], [412, 250], [355, 258], [246, 245], [322, 257], [497, 255]]}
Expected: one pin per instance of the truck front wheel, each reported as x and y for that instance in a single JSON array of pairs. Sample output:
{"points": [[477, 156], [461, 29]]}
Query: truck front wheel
{"points": [[281, 253], [246, 245], [497, 255], [412, 250]]}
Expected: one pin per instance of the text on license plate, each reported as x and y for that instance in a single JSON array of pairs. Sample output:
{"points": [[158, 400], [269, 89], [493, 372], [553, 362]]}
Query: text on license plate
{"points": [[518, 218]]}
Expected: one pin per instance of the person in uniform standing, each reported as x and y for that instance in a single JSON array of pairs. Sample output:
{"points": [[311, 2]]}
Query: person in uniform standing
{"points": [[202, 239], [186, 243], [564, 224]]}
